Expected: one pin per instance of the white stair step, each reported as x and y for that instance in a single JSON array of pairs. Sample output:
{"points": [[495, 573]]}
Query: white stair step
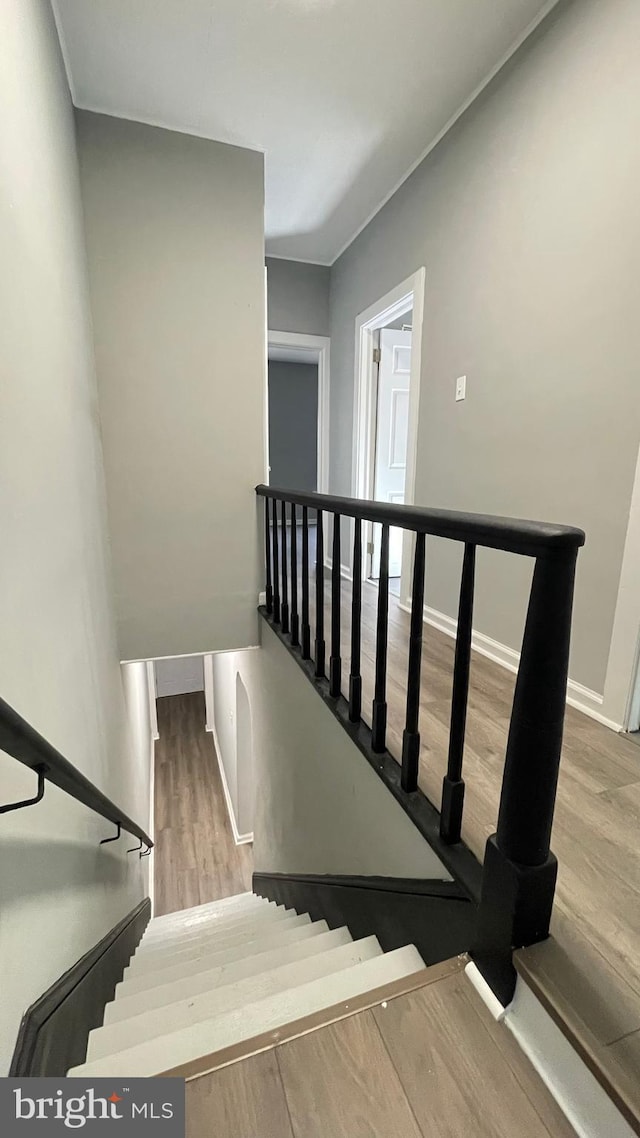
{"points": [[155, 963], [286, 932], [237, 903], [235, 900], [194, 926], [210, 932], [181, 1013], [190, 920], [127, 1007], [167, 1051]]}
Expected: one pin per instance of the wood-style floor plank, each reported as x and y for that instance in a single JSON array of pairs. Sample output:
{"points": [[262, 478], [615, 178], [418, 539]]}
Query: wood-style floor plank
{"points": [[196, 858], [245, 1100], [457, 1078], [428, 1063], [340, 1082]]}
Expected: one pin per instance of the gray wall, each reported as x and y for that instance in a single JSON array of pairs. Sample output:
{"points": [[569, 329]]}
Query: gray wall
{"points": [[179, 675], [60, 892], [293, 425], [319, 806], [175, 243], [297, 297], [526, 219]]}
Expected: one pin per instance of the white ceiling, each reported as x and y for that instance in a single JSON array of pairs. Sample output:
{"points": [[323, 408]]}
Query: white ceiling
{"points": [[344, 96]]}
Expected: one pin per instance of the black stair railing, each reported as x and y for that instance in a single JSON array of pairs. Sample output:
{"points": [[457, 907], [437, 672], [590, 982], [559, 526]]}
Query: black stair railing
{"points": [[519, 870], [22, 742]]}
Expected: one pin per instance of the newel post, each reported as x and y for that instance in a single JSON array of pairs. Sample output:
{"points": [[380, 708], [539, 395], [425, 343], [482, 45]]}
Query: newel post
{"points": [[519, 869]]}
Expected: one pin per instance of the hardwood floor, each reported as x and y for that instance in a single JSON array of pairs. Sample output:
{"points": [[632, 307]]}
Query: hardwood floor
{"points": [[425, 1064], [196, 858], [596, 834]]}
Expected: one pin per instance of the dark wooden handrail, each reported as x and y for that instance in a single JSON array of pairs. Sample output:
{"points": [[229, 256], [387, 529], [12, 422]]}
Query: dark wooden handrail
{"points": [[519, 871], [513, 535], [22, 742]]}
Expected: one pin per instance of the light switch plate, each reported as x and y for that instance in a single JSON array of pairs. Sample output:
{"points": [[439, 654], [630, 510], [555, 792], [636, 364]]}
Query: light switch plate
{"points": [[461, 387]]}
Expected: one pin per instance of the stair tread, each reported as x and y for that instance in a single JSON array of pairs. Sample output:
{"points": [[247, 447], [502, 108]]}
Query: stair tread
{"points": [[233, 901], [175, 1014], [193, 919], [186, 1044], [283, 934], [204, 918], [225, 974], [210, 934]]}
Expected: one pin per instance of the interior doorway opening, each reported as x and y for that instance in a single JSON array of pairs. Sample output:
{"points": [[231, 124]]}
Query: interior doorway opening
{"points": [[297, 411], [387, 391], [392, 368]]}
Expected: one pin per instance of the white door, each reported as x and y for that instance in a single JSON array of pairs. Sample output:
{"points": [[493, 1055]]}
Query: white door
{"points": [[392, 423]]}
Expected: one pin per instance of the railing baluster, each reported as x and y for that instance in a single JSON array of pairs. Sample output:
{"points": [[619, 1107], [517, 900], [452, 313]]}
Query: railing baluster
{"points": [[295, 620], [453, 783], [306, 628], [276, 568], [320, 646], [411, 734], [355, 679], [284, 609], [335, 662], [379, 720], [267, 558]]}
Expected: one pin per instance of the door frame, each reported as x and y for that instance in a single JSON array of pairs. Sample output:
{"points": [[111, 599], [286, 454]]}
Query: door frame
{"points": [[621, 699], [321, 345], [407, 295]]}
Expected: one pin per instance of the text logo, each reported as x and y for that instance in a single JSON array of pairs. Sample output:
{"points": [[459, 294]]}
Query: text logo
{"points": [[139, 1107]]}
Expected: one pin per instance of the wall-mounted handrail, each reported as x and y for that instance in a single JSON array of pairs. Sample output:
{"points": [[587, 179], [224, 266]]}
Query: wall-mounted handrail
{"points": [[22, 742], [519, 871]]}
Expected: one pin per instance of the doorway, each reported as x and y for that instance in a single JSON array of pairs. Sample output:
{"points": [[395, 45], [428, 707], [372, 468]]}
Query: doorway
{"points": [[387, 391], [297, 404], [393, 365]]}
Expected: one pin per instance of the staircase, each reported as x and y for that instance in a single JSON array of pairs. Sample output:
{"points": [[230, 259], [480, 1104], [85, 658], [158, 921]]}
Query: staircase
{"points": [[219, 975]]}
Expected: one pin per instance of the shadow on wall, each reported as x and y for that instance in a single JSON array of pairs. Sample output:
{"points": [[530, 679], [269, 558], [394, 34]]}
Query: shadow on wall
{"points": [[33, 868]]}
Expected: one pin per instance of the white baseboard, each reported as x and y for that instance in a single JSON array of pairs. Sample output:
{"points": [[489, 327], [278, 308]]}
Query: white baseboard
{"points": [[239, 839], [576, 1090], [345, 571], [580, 1097], [578, 696]]}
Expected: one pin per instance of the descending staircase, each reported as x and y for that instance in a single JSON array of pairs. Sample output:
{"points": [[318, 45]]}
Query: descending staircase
{"points": [[214, 976]]}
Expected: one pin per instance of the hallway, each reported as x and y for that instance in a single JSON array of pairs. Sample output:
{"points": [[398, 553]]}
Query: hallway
{"points": [[196, 858]]}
